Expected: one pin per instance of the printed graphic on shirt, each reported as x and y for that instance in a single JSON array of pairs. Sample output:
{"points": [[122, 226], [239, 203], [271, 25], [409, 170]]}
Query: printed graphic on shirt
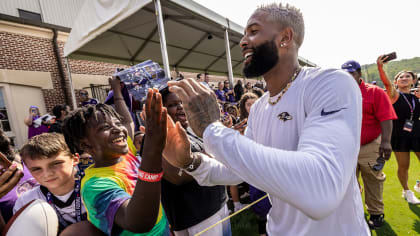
{"points": [[284, 116], [26, 186]]}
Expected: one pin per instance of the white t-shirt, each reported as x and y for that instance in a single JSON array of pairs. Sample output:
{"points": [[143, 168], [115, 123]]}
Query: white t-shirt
{"points": [[67, 211], [205, 84], [302, 152]]}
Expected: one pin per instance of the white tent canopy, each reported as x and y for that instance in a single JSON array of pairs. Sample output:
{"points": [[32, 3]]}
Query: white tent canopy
{"points": [[126, 32]]}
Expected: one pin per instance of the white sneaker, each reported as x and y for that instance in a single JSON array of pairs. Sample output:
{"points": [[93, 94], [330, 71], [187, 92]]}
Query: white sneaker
{"points": [[403, 194], [411, 198], [417, 187]]}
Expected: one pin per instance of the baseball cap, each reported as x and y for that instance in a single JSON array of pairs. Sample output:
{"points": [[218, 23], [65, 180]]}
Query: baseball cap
{"points": [[351, 66]]}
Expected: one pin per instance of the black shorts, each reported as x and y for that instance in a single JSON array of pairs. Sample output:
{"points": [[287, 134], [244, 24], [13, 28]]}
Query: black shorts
{"points": [[405, 144]]}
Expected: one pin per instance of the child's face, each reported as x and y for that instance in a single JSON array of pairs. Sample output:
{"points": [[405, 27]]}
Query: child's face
{"points": [[55, 173], [106, 139]]}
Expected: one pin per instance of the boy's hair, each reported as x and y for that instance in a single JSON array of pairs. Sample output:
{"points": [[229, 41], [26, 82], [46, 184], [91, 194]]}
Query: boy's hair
{"points": [[44, 146], [76, 124]]}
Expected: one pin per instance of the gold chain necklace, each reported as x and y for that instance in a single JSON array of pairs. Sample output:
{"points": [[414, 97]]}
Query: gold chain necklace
{"points": [[283, 91]]}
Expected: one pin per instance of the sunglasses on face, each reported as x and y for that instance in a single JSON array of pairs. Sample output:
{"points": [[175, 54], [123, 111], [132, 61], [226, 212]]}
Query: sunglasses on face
{"points": [[83, 94]]}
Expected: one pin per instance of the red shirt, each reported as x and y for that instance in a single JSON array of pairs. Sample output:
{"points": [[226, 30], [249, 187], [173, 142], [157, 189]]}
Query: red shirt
{"points": [[376, 108]]}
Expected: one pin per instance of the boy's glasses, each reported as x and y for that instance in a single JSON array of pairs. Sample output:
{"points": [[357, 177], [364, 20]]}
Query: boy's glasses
{"points": [[83, 94], [380, 163]]}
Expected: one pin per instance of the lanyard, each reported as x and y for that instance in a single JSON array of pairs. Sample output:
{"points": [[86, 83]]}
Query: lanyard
{"points": [[412, 105], [83, 164], [77, 204]]}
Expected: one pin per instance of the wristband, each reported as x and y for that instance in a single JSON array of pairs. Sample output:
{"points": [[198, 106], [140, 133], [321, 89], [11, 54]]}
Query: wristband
{"points": [[150, 177]]}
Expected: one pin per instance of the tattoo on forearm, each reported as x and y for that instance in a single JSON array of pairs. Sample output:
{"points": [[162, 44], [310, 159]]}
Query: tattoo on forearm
{"points": [[201, 112]]}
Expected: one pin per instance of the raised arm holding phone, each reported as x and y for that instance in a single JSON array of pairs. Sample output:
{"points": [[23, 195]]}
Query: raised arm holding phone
{"points": [[406, 129]]}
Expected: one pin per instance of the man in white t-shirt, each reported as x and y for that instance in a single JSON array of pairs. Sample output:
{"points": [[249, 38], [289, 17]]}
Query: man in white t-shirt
{"points": [[302, 140]]}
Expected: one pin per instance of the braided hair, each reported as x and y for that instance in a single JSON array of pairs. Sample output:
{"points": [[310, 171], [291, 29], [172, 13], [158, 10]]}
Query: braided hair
{"points": [[75, 126]]}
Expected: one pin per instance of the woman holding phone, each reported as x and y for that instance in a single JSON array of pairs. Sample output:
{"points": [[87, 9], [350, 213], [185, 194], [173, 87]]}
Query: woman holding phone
{"points": [[34, 129], [406, 129]]}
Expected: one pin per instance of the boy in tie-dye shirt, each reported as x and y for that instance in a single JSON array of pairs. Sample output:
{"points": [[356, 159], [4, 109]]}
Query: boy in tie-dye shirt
{"points": [[118, 199]]}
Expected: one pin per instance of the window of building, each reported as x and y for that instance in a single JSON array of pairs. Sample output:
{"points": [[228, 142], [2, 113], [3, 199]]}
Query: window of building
{"points": [[4, 118], [32, 16]]}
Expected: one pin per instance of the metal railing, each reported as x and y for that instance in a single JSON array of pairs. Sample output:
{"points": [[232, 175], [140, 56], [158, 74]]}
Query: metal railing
{"points": [[99, 91]]}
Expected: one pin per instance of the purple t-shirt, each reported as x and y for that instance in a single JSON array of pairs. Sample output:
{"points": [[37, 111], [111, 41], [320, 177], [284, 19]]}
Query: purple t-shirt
{"points": [[91, 101], [231, 97], [262, 207], [221, 95], [7, 202], [32, 131]]}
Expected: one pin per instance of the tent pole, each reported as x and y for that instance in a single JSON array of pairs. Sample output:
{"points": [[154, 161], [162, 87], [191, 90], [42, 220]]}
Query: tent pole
{"points": [[162, 37], [228, 58], [73, 96]]}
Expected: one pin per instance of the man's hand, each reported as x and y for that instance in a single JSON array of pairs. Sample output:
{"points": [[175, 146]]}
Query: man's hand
{"points": [[9, 179], [178, 148], [200, 103], [385, 150]]}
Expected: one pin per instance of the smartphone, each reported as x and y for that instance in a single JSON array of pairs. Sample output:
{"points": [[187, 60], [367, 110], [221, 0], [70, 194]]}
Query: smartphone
{"points": [[4, 163], [391, 56]]}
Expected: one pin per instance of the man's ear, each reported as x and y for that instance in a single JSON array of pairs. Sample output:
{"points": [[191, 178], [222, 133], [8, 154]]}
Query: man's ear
{"points": [[285, 38]]}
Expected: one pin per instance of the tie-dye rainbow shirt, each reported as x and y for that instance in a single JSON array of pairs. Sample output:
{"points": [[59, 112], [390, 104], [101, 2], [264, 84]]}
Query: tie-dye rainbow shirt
{"points": [[105, 189]]}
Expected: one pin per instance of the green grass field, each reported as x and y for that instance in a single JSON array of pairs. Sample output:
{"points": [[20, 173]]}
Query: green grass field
{"points": [[401, 218]]}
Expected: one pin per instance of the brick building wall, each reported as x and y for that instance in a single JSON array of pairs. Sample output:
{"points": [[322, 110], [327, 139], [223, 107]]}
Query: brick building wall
{"points": [[23, 52], [30, 53]]}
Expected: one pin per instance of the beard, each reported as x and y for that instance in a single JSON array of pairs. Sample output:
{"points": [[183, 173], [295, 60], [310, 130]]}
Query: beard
{"points": [[264, 58]]}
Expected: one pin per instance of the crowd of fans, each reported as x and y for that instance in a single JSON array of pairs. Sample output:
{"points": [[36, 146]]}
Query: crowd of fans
{"points": [[101, 166], [46, 165]]}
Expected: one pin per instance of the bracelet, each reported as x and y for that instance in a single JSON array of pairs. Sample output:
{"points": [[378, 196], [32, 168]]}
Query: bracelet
{"points": [[150, 177], [195, 162]]}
